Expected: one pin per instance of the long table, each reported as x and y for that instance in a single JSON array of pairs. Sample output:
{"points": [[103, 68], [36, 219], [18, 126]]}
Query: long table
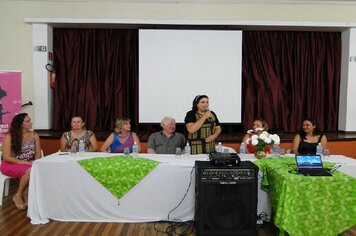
{"points": [[60, 189], [311, 205]]}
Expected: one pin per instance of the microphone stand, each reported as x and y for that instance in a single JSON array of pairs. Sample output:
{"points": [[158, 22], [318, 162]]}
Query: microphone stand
{"points": [[29, 103]]}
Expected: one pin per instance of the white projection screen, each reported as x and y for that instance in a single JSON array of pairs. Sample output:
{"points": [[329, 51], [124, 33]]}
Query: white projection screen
{"points": [[177, 65]]}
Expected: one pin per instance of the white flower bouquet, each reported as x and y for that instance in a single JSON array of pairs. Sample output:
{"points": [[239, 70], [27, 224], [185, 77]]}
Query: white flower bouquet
{"points": [[260, 139]]}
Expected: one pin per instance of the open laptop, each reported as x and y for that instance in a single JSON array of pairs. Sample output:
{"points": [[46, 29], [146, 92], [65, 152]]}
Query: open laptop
{"points": [[311, 165]]}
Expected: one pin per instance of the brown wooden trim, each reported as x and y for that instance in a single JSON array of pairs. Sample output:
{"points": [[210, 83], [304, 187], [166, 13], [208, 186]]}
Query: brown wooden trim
{"points": [[342, 147]]}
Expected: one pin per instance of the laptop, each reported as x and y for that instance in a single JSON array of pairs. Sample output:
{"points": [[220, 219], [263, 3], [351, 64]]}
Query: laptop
{"points": [[311, 165]]}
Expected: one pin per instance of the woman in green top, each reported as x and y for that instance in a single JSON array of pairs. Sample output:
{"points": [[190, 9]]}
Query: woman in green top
{"points": [[203, 126]]}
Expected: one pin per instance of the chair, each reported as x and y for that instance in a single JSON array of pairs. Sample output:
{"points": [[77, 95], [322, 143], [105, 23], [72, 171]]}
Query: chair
{"points": [[4, 186], [5, 183]]}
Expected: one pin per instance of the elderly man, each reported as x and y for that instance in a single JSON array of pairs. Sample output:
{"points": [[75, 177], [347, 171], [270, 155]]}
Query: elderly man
{"points": [[167, 140]]}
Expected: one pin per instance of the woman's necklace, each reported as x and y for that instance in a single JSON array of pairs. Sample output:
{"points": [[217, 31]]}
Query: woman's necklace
{"points": [[77, 133], [123, 136], [311, 138]]}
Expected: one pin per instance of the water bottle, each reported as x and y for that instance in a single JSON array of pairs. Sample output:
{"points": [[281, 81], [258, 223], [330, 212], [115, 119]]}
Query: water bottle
{"points": [[218, 148], [187, 150], [319, 149], [275, 150], [242, 148], [135, 150], [81, 146]]}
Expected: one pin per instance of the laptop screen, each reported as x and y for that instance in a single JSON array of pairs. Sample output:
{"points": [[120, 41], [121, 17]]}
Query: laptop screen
{"points": [[308, 161]]}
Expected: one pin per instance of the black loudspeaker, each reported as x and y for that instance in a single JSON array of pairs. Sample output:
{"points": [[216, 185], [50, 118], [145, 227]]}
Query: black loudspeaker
{"points": [[225, 199]]}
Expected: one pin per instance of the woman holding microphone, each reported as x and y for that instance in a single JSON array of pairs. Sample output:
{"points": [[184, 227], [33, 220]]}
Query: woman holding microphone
{"points": [[202, 125]]}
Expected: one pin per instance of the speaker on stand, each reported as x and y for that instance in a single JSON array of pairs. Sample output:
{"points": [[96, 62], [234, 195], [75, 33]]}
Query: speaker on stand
{"points": [[225, 199]]}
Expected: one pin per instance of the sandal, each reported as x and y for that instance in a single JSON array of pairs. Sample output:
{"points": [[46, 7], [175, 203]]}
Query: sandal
{"points": [[19, 205]]}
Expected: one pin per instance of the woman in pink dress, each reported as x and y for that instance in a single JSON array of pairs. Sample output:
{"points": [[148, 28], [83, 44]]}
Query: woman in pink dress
{"points": [[21, 146]]}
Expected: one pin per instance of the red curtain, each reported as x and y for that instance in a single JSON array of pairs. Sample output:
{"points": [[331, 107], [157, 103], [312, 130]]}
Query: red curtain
{"points": [[289, 76], [96, 77]]}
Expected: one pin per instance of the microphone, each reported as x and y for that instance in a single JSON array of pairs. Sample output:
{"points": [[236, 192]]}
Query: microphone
{"points": [[29, 103]]}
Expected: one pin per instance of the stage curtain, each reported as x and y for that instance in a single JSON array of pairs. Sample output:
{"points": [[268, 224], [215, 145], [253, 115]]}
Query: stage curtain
{"points": [[289, 76], [96, 77]]}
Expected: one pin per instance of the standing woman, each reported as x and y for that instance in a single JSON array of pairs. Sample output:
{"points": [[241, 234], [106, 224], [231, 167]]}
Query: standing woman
{"points": [[121, 138], [21, 146], [308, 138], [78, 133], [203, 126]]}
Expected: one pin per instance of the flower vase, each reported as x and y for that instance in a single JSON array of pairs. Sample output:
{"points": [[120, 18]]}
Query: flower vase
{"points": [[260, 154]]}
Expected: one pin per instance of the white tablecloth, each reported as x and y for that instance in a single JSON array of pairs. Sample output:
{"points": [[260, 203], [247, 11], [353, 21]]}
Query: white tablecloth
{"points": [[62, 190], [344, 164]]}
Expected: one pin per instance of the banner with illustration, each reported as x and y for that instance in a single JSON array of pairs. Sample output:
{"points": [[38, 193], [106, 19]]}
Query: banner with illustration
{"points": [[10, 99]]}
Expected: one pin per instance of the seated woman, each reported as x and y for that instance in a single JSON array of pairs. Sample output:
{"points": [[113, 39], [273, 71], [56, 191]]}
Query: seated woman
{"points": [[21, 146], [78, 133], [122, 138], [308, 138], [258, 124]]}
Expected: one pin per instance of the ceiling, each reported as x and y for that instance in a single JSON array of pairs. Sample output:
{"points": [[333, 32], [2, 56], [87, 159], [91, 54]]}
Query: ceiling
{"points": [[306, 2], [205, 25], [241, 1]]}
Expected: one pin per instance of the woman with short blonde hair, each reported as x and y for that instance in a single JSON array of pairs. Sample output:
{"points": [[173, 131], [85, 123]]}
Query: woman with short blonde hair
{"points": [[121, 138]]}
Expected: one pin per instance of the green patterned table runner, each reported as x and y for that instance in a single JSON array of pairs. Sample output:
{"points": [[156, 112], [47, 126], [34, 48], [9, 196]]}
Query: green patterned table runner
{"points": [[306, 205], [118, 174]]}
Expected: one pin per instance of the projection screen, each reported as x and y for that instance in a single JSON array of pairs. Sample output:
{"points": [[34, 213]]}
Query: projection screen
{"points": [[177, 65]]}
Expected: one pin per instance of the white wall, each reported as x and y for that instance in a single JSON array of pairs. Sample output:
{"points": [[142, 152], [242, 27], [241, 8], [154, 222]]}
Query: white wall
{"points": [[42, 35], [347, 107], [16, 35]]}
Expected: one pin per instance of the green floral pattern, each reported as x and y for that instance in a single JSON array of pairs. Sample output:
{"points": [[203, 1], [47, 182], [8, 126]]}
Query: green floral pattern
{"points": [[118, 174], [305, 205]]}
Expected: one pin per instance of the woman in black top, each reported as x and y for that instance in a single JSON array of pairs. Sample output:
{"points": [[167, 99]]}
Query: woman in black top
{"points": [[202, 125], [308, 138]]}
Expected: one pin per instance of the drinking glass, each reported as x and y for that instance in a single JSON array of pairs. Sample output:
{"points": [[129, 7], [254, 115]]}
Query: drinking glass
{"points": [[282, 152], [178, 151], [326, 153], [126, 151], [73, 149], [226, 150]]}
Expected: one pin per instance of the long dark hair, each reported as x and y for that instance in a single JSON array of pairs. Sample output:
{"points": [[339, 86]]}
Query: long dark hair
{"points": [[196, 101], [316, 131], [16, 133]]}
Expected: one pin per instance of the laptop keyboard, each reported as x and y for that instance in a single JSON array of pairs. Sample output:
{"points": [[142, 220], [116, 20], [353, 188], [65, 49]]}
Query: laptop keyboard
{"points": [[315, 172]]}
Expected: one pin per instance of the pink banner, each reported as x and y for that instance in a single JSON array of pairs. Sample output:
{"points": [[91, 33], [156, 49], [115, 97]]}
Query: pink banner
{"points": [[10, 99]]}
